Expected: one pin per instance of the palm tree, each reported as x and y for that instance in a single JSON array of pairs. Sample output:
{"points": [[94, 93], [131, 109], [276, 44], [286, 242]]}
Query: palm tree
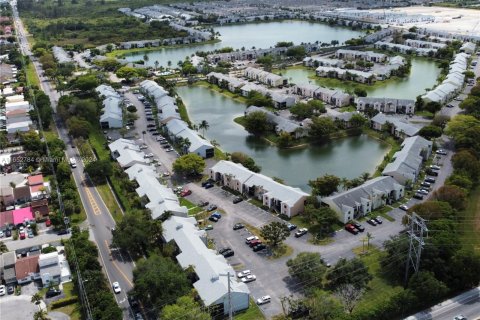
{"points": [[365, 176], [145, 57], [169, 63], [345, 183], [3, 247], [186, 144], [369, 237], [204, 126], [156, 64], [215, 143], [36, 298], [40, 315]]}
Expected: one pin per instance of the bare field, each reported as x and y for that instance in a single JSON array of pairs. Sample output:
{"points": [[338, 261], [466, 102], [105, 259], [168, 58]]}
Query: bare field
{"points": [[468, 21]]}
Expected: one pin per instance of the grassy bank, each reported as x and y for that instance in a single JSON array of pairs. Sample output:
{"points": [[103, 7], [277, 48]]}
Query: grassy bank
{"points": [[222, 91], [470, 229], [394, 147], [32, 76]]}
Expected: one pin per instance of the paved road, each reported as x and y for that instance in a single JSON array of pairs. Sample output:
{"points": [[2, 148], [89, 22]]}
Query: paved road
{"points": [[466, 304], [116, 267]]}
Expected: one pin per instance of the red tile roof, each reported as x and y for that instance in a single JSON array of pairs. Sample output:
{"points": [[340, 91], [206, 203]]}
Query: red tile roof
{"points": [[25, 266], [36, 179]]}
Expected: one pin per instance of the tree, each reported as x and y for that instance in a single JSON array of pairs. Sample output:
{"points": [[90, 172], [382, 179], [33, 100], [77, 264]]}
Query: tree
{"points": [[245, 160], [323, 219], [40, 315], [63, 171], [453, 195], [256, 122], [126, 72], [255, 98], [78, 127], [353, 272], [429, 132], [460, 180], [297, 52], [307, 110], [3, 247], [360, 92], [432, 106], [349, 295], [99, 170], [204, 126], [184, 309], [285, 139], [36, 298], [465, 161], [464, 265], [325, 185], [426, 287], [158, 281], [323, 306], [465, 131], [86, 82], [308, 268], [275, 233], [190, 165], [322, 126], [433, 210], [357, 120]]}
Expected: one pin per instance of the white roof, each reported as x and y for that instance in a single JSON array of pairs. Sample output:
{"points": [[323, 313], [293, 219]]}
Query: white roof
{"points": [[17, 105], [19, 126], [208, 265], [106, 91], [128, 152], [180, 128], [161, 198], [408, 160], [15, 98], [112, 109], [272, 188]]}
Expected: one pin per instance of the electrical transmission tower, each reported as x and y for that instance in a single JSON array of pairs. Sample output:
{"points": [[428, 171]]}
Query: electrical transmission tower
{"points": [[417, 231]]}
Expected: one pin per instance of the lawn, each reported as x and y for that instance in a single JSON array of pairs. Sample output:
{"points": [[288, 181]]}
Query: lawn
{"points": [[379, 289], [252, 313], [72, 310], [110, 202], [471, 229], [32, 76]]}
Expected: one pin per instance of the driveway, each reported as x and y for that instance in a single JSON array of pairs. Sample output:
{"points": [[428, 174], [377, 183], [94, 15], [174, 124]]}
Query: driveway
{"points": [[18, 307]]}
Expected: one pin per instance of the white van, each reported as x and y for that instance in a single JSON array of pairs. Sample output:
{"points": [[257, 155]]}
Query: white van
{"points": [[73, 163]]}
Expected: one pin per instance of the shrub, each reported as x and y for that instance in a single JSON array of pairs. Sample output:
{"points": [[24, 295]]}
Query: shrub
{"points": [[64, 302]]}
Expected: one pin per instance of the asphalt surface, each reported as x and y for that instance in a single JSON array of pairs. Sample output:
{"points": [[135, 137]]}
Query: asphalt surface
{"points": [[116, 267]]}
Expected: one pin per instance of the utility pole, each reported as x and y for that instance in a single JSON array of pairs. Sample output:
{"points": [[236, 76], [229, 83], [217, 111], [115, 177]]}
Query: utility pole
{"points": [[230, 311], [417, 230]]}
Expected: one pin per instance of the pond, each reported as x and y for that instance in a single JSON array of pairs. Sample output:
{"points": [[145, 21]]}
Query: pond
{"points": [[347, 157], [258, 35], [423, 74]]}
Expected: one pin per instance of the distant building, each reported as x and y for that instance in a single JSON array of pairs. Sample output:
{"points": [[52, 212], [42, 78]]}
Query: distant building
{"points": [[281, 124], [369, 56], [386, 105], [398, 128], [268, 78], [177, 129], [112, 116], [27, 270], [276, 196], [468, 47], [360, 201], [335, 98], [126, 153]]}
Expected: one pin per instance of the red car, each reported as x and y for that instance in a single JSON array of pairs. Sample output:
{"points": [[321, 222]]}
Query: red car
{"points": [[185, 193], [48, 223], [254, 243], [351, 228]]}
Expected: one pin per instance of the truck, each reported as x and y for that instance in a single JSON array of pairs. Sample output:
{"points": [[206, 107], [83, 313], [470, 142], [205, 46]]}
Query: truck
{"points": [[73, 163]]}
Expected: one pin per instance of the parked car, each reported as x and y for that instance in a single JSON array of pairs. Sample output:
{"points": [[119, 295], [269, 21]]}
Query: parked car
{"points": [[358, 226], [52, 293], [259, 247], [249, 278], [150, 119], [217, 215], [223, 250], [372, 222], [185, 193], [213, 219], [460, 317], [426, 185], [422, 191], [143, 147], [229, 253], [301, 232], [244, 273], [203, 203], [209, 185], [209, 227], [150, 125], [254, 243], [263, 300], [8, 233], [22, 235], [1, 234], [351, 228], [378, 219], [237, 200], [10, 289], [149, 155], [238, 226], [418, 196], [432, 172], [441, 151], [116, 287], [155, 133], [326, 263], [30, 234], [3, 290], [434, 167], [430, 179], [63, 231], [450, 105], [251, 238], [204, 183], [291, 226], [212, 207], [403, 207]]}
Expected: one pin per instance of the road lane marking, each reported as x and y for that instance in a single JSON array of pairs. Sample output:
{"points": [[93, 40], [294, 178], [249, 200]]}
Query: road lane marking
{"points": [[116, 266], [93, 203]]}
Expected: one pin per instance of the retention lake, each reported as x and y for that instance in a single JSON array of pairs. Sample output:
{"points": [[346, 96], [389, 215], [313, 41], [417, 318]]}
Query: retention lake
{"points": [[347, 157], [423, 75], [258, 35]]}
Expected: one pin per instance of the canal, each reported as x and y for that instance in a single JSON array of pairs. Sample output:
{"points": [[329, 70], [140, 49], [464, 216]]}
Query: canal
{"points": [[347, 157], [258, 35], [423, 74]]}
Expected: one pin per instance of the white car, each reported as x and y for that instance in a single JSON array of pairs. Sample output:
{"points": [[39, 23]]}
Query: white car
{"points": [[249, 278], [250, 239], [244, 273], [166, 174], [263, 300], [2, 290], [143, 147], [150, 155], [1, 234], [116, 287]]}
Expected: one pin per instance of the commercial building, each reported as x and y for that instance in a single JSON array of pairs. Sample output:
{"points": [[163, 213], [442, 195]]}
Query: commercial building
{"points": [[276, 196], [211, 269], [161, 199], [407, 162], [360, 201]]}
